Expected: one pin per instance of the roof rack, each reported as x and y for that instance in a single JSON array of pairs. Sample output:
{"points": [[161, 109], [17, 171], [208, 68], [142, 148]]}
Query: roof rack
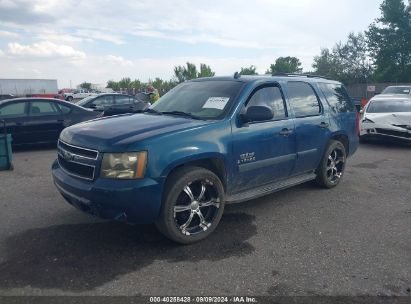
{"points": [[300, 75]]}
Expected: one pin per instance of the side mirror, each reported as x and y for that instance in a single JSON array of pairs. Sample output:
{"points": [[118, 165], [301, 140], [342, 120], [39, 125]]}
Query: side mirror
{"points": [[257, 113], [362, 111]]}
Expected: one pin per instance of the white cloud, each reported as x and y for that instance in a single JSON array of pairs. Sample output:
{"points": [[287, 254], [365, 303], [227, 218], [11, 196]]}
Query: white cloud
{"points": [[44, 49], [7, 34], [101, 34], [119, 60]]}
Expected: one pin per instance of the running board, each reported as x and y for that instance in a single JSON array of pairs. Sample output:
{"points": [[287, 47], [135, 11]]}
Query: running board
{"points": [[270, 188]]}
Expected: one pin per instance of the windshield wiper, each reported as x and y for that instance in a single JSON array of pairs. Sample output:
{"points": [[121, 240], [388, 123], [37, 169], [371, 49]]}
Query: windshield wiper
{"points": [[181, 113], [152, 111]]}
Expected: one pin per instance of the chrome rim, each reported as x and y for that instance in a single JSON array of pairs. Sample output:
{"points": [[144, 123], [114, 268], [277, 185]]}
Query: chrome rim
{"points": [[196, 207], [335, 165]]}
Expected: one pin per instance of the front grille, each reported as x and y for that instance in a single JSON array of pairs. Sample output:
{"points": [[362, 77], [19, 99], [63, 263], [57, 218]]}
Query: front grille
{"points": [[394, 133], [76, 169], [83, 152], [77, 161]]}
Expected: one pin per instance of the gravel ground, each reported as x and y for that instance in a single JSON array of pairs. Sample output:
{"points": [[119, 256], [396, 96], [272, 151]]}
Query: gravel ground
{"points": [[351, 240]]}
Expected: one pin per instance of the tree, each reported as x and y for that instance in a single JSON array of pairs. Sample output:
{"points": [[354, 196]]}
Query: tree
{"points": [[188, 72], [285, 65], [86, 86], [205, 71], [113, 85], [347, 62], [389, 41], [125, 83], [251, 70]]}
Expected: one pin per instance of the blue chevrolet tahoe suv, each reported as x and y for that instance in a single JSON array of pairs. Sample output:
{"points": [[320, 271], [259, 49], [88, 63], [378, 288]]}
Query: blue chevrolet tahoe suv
{"points": [[207, 143]]}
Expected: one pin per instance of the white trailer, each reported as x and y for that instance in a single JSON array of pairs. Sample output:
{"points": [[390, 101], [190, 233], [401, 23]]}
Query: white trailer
{"points": [[23, 87]]}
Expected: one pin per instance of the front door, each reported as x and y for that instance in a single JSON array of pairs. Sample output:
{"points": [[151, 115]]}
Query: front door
{"points": [[15, 116], [264, 151], [45, 121]]}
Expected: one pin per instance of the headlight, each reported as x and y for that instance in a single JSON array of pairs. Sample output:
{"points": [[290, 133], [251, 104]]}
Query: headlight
{"points": [[129, 165], [367, 120]]}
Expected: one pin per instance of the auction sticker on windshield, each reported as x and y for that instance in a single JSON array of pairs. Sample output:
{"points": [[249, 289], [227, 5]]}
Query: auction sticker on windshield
{"points": [[216, 103]]}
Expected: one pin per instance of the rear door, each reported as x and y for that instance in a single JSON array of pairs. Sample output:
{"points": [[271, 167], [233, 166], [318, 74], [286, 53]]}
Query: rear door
{"points": [[311, 125], [45, 121], [102, 103], [15, 115], [264, 151], [123, 104]]}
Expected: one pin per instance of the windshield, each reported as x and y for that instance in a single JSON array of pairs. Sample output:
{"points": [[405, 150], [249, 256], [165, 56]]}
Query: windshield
{"points": [[389, 106], [203, 99], [397, 90], [85, 100]]}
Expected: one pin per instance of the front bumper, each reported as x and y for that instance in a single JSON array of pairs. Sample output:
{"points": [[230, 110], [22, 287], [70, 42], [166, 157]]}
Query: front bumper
{"points": [[376, 131], [132, 201]]}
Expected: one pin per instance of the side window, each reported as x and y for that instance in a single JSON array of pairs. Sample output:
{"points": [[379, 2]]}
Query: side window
{"points": [[17, 109], [303, 99], [121, 100], [271, 97], [63, 109], [103, 101], [38, 108], [337, 97]]}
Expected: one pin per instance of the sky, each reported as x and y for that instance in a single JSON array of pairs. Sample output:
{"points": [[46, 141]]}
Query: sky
{"points": [[95, 41]]}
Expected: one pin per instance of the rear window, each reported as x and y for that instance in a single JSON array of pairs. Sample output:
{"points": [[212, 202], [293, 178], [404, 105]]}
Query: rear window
{"points": [[303, 99], [389, 106], [397, 90], [337, 97]]}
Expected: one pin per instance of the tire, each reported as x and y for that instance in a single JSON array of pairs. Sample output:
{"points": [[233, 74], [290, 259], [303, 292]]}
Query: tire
{"points": [[70, 98], [191, 193], [332, 166]]}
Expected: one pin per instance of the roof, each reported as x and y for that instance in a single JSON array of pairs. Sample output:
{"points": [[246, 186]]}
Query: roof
{"points": [[279, 77], [33, 98]]}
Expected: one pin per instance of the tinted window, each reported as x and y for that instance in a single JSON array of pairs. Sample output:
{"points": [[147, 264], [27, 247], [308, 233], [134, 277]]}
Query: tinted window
{"points": [[271, 97], [13, 110], [123, 100], [42, 108], [389, 106], [303, 99], [397, 90], [205, 99], [64, 109], [337, 97], [85, 100], [103, 101]]}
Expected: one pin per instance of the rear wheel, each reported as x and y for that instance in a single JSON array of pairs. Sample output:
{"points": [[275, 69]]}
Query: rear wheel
{"points": [[192, 205], [332, 166]]}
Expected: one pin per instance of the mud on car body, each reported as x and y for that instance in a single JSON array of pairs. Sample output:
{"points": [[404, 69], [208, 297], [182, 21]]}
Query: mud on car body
{"points": [[206, 143]]}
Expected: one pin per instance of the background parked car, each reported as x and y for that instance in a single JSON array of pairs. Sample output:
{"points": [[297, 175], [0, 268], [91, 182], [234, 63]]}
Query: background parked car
{"points": [[113, 104], [39, 120], [6, 96], [78, 94], [388, 117], [394, 90]]}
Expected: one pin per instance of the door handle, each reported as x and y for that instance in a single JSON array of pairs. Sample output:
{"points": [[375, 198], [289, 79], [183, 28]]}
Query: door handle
{"points": [[324, 125], [285, 132], [19, 124]]}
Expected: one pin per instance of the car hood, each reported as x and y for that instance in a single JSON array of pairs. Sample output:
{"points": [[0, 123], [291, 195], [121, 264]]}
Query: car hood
{"points": [[112, 133], [402, 119]]}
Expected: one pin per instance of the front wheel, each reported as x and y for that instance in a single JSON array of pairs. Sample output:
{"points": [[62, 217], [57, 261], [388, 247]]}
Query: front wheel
{"points": [[192, 205], [332, 166], [70, 98]]}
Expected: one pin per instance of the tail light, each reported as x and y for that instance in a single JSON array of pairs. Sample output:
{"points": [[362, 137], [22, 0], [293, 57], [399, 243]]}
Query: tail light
{"points": [[357, 124]]}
